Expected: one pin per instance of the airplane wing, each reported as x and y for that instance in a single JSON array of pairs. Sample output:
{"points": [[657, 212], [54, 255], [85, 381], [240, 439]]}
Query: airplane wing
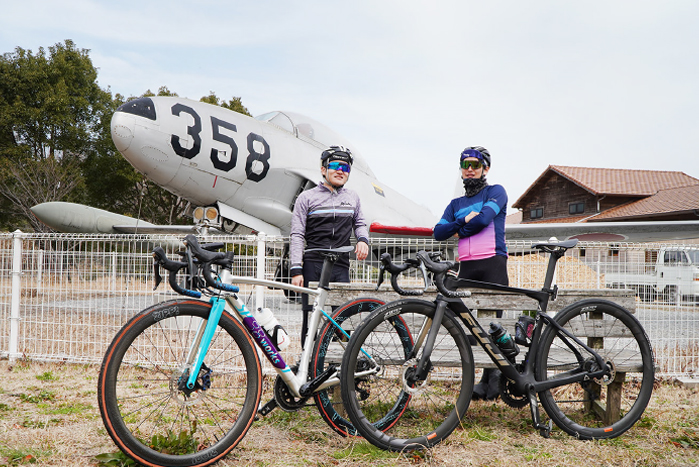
{"points": [[156, 229], [635, 232]]}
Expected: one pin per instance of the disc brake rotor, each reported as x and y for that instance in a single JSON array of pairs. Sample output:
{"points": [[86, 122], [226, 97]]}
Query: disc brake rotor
{"points": [[408, 371], [606, 380], [186, 397]]}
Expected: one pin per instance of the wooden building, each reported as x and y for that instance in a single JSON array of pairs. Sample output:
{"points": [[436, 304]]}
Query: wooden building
{"points": [[581, 194]]}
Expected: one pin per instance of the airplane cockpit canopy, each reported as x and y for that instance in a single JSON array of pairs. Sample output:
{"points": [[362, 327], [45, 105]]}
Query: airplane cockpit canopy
{"points": [[306, 128]]}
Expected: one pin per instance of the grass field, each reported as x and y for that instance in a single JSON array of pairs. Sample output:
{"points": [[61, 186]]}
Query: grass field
{"points": [[49, 416]]}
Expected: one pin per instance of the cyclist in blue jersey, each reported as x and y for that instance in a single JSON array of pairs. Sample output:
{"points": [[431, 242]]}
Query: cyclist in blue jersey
{"points": [[478, 219], [325, 217]]}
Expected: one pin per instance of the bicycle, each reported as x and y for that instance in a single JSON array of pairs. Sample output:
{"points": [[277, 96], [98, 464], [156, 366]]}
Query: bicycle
{"points": [[575, 363], [181, 382]]}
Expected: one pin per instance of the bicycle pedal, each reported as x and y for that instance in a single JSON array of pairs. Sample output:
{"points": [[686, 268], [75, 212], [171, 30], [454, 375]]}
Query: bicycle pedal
{"points": [[267, 408], [545, 430]]}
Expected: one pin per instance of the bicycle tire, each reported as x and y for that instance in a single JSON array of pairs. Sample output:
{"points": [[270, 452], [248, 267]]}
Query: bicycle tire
{"points": [[148, 417], [620, 339], [430, 410], [328, 349]]}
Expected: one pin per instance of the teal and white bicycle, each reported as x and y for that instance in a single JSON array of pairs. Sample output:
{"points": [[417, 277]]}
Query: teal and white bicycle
{"points": [[181, 382]]}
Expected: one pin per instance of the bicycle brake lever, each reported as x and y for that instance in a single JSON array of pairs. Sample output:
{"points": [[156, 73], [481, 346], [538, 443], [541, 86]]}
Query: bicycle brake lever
{"points": [[382, 270], [156, 272], [158, 253], [423, 270]]}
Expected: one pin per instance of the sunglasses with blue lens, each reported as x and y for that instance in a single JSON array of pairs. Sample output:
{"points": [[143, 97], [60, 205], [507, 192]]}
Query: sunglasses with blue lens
{"points": [[344, 167]]}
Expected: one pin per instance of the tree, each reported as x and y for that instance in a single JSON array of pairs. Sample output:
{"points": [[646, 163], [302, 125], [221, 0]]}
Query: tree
{"points": [[52, 113], [235, 104], [56, 145]]}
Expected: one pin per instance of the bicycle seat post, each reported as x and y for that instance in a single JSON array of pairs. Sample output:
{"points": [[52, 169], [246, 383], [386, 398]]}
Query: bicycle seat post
{"points": [[551, 269], [328, 264]]}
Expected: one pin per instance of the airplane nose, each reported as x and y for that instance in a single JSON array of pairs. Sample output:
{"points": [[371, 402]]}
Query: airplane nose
{"points": [[123, 123], [143, 137], [122, 131]]}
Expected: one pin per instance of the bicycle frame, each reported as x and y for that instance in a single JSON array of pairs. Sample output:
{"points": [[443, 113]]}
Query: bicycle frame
{"points": [[524, 380], [236, 307]]}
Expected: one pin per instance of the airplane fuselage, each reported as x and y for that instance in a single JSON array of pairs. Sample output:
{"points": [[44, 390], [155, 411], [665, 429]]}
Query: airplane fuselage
{"points": [[208, 154]]}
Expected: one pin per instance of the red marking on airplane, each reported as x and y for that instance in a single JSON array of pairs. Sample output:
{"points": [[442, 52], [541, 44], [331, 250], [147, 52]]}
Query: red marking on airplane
{"points": [[400, 230]]}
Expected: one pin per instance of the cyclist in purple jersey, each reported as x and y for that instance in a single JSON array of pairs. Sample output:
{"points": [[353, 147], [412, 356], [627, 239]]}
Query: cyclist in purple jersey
{"points": [[325, 217], [478, 219]]}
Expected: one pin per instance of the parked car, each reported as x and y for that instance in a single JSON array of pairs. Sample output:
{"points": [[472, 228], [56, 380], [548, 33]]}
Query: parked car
{"points": [[674, 277]]}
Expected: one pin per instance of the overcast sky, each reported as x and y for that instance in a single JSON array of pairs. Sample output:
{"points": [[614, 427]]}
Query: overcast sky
{"points": [[411, 83]]}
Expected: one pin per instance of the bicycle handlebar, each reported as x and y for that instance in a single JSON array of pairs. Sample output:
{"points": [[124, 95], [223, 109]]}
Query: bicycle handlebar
{"points": [[396, 270], [173, 267], [425, 261], [196, 257], [206, 258], [439, 269]]}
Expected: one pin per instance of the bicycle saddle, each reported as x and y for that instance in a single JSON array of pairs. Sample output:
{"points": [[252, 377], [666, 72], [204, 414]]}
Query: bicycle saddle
{"points": [[330, 251]]}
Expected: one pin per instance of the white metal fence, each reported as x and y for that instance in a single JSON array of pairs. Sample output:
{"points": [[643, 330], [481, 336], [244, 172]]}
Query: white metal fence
{"points": [[63, 297]]}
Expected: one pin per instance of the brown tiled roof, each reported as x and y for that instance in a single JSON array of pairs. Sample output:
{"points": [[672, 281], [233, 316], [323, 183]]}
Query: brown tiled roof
{"points": [[624, 182], [665, 201], [616, 182]]}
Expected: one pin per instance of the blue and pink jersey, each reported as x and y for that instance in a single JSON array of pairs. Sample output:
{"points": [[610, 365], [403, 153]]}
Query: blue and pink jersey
{"points": [[484, 235]]}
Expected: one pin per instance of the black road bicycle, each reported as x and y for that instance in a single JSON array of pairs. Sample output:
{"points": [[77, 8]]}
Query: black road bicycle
{"points": [[590, 365]]}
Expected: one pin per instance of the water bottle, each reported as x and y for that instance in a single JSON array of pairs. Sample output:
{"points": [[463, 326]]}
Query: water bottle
{"points": [[504, 341], [274, 330]]}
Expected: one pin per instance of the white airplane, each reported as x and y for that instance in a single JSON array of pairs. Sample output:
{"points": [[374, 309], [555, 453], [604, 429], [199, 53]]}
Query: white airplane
{"points": [[250, 169], [243, 174]]}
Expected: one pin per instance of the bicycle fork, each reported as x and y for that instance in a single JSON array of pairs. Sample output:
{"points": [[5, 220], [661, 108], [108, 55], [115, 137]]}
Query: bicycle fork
{"points": [[200, 345], [424, 365]]}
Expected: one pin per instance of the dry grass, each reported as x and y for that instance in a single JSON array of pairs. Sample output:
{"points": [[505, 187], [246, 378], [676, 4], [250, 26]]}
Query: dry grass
{"points": [[49, 412]]}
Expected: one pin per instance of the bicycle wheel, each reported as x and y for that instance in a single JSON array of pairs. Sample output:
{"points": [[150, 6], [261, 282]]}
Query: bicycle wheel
{"points": [[607, 407], [154, 421], [417, 414], [328, 350]]}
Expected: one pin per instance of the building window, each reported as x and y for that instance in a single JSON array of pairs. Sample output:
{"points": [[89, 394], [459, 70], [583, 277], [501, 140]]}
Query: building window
{"points": [[576, 208], [536, 213]]}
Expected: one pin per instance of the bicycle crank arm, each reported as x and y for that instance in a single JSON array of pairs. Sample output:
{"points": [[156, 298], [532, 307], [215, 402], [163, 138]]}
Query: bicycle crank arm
{"points": [[544, 429], [312, 386], [267, 408]]}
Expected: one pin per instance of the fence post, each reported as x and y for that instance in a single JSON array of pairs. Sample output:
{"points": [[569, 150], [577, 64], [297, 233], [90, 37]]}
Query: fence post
{"points": [[113, 271], [261, 253], [39, 271], [16, 294]]}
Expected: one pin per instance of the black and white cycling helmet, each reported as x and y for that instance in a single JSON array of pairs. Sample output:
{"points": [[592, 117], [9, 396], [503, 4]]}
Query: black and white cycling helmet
{"points": [[336, 153], [479, 152]]}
